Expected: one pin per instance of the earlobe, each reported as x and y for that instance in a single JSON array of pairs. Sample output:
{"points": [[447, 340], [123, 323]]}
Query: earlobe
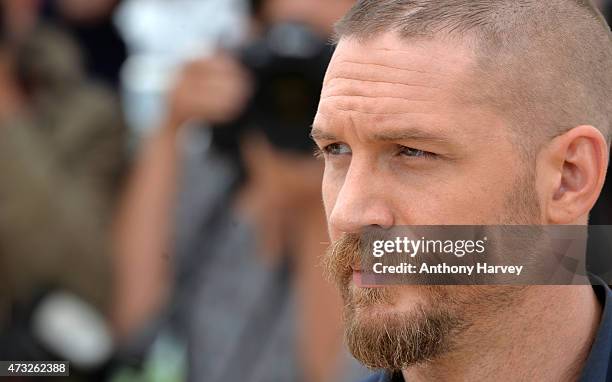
{"points": [[579, 167]]}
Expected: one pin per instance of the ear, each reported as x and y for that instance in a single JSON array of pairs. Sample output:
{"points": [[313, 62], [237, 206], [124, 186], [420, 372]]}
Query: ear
{"points": [[571, 174]]}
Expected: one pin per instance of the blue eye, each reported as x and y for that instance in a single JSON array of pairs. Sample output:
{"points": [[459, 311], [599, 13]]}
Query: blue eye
{"points": [[415, 153], [337, 149]]}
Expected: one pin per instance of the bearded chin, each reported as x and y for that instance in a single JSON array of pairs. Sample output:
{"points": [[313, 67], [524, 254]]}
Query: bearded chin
{"points": [[376, 336], [358, 298], [380, 339]]}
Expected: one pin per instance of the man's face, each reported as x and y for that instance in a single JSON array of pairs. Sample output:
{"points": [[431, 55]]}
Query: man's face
{"points": [[403, 145]]}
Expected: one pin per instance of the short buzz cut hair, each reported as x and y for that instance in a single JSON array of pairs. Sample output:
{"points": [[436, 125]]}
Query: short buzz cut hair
{"points": [[545, 65]]}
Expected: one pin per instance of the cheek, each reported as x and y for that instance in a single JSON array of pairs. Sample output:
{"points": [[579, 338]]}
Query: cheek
{"points": [[469, 197], [330, 188]]}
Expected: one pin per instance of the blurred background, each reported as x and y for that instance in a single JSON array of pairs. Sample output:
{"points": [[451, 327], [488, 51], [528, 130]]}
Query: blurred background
{"points": [[160, 210]]}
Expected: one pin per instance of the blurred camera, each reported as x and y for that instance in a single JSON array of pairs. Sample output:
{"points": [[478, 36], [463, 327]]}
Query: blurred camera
{"points": [[288, 65]]}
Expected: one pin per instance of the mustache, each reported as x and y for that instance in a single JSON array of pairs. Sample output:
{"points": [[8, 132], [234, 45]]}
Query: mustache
{"points": [[340, 260]]}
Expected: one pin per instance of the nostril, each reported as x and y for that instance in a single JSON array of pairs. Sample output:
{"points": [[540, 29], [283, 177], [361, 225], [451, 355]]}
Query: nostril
{"points": [[384, 227]]}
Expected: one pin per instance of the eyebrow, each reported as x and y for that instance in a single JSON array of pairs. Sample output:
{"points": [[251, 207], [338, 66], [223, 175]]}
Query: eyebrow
{"points": [[405, 134], [409, 134], [318, 134]]}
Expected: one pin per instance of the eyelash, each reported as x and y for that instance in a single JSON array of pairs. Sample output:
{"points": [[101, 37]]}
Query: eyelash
{"points": [[421, 153], [326, 150], [318, 153]]}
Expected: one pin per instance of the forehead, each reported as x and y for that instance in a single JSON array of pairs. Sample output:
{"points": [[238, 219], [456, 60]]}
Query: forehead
{"points": [[435, 59], [388, 81]]}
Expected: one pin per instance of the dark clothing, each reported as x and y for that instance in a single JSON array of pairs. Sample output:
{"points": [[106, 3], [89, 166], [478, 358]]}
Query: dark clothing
{"points": [[103, 49], [597, 368]]}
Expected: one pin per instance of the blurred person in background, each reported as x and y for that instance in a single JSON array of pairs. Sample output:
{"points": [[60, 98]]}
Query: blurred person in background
{"points": [[61, 160], [161, 37], [90, 23], [19, 17], [238, 275]]}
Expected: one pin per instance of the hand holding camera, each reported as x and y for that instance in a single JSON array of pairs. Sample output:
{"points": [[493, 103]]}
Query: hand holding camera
{"points": [[214, 89]]}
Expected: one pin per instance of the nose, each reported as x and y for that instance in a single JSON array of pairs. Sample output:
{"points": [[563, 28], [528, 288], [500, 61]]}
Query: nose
{"points": [[360, 203]]}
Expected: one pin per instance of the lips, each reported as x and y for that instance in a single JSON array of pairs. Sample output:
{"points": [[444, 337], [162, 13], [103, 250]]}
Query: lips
{"points": [[357, 278]]}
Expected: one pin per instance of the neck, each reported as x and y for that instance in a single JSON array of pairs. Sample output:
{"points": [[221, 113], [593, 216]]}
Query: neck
{"points": [[547, 337]]}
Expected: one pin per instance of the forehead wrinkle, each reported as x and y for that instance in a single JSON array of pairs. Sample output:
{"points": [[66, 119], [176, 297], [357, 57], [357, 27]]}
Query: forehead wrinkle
{"points": [[378, 105], [416, 63], [387, 66], [391, 47], [373, 97], [340, 110], [368, 97], [372, 89], [325, 124], [408, 84], [382, 73], [375, 122], [378, 97], [380, 76]]}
